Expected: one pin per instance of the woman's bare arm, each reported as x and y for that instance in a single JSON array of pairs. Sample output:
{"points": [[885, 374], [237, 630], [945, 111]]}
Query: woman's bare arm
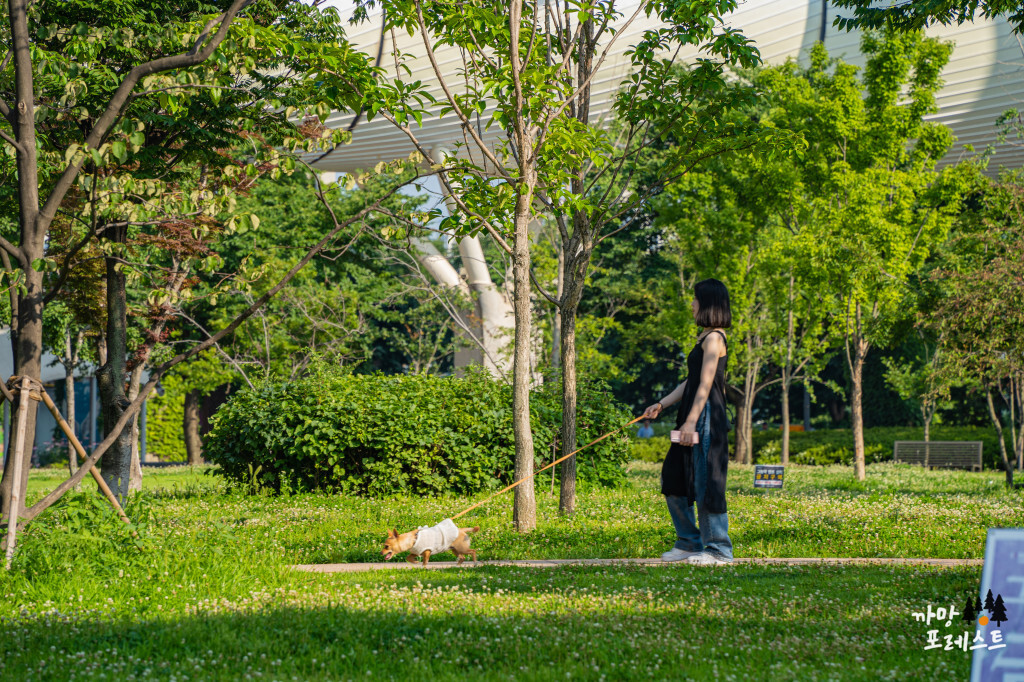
{"points": [[654, 410], [673, 397]]}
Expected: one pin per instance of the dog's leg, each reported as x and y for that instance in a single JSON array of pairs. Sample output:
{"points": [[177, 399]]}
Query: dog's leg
{"points": [[473, 552], [426, 557], [459, 558], [412, 558]]}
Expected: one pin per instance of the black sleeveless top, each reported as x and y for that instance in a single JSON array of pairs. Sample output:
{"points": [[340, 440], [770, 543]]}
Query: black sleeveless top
{"points": [[677, 471]]}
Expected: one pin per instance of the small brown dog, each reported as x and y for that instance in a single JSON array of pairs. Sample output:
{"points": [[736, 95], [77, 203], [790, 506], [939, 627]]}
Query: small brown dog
{"points": [[425, 541]]}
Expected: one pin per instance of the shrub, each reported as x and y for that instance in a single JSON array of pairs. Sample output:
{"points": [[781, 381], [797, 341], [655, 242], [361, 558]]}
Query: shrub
{"points": [[649, 449], [380, 435], [165, 436], [835, 446]]}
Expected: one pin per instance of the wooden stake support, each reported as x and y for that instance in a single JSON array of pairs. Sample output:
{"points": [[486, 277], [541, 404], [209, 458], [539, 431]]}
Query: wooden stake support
{"points": [[70, 433], [16, 491], [39, 394]]}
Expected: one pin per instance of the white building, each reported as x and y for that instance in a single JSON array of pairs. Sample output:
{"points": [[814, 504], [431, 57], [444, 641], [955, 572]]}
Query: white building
{"points": [[984, 77]]}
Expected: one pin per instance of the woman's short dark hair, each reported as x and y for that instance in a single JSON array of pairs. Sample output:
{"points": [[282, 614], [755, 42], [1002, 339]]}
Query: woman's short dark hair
{"points": [[712, 304]]}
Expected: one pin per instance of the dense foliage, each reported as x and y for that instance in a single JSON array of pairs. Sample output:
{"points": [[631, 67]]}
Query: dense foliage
{"points": [[381, 435], [832, 446]]}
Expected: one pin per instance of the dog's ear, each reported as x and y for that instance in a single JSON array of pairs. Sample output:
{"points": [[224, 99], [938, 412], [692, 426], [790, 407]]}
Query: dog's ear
{"points": [[393, 533]]}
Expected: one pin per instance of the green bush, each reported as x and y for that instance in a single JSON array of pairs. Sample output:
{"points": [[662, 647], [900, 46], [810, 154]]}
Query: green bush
{"points": [[835, 446], [165, 435], [649, 449], [381, 435]]}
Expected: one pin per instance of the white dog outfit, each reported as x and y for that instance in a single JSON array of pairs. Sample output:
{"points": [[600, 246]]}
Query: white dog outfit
{"points": [[435, 538]]}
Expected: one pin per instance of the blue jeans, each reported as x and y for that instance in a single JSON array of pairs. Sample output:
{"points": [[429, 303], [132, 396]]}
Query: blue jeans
{"points": [[713, 536]]}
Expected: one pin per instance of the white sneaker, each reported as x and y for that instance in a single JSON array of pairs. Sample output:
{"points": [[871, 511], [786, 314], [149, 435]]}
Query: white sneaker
{"points": [[705, 559], [675, 554]]}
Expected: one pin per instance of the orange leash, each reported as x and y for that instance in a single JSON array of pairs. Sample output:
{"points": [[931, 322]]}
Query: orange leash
{"points": [[548, 466]]}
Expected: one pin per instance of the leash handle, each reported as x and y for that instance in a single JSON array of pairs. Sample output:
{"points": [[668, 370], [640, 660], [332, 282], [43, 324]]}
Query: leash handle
{"points": [[548, 466]]}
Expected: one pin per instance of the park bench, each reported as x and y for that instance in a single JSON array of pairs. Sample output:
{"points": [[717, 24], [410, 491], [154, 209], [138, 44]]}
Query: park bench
{"points": [[953, 454]]}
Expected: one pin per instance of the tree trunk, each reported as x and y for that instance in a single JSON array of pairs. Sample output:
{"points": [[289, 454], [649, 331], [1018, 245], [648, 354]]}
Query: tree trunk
{"points": [[115, 465], [70, 361], [857, 407], [135, 473], [27, 305], [785, 417], [742, 432], [27, 362], [807, 407], [744, 415], [784, 457], [998, 424], [567, 478], [926, 418], [524, 510], [190, 424], [556, 323], [578, 249]]}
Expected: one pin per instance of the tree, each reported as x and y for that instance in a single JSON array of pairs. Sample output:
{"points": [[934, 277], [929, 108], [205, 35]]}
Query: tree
{"points": [[979, 311], [128, 139], [54, 161], [969, 613], [921, 380], [123, 197], [529, 69], [865, 143], [999, 610]]}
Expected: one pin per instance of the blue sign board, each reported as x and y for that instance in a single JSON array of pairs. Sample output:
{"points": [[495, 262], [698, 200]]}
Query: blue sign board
{"points": [[1003, 574]]}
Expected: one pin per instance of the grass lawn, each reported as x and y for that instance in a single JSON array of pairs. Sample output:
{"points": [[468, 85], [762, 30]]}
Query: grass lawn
{"points": [[205, 592]]}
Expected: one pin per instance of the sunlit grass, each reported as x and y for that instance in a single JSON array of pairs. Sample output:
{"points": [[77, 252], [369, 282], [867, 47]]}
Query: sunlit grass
{"points": [[212, 596]]}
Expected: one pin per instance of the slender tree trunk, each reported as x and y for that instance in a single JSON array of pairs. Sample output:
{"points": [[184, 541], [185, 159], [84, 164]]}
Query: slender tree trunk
{"points": [[578, 248], [786, 374], [855, 362], [556, 326], [998, 424], [857, 408], [744, 415], [190, 424], [70, 362], [135, 473], [807, 407], [524, 510], [115, 465], [567, 477], [785, 416], [524, 504], [926, 418], [1017, 418]]}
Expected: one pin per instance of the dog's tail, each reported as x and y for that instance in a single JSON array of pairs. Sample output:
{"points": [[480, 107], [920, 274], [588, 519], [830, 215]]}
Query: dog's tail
{"points": [[470, 530]]}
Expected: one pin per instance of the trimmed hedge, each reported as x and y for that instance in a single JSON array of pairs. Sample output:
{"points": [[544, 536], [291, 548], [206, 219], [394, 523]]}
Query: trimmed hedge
{"points": [[835, 446], [165, 435], [379, 435]]}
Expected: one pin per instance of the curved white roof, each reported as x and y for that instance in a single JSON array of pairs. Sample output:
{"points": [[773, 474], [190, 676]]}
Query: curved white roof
{"points": [[985, 76]]}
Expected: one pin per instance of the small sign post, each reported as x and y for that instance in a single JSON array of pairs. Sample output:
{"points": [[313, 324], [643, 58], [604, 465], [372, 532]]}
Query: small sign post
{"points": [[768, 475]]}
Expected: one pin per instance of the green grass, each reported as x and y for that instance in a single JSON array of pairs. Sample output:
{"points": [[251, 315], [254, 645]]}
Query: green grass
{"points": [[210, 595]]}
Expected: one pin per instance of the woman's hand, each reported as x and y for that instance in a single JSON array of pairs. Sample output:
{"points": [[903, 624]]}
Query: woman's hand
{"points": [[688, 433], [653, 411]]}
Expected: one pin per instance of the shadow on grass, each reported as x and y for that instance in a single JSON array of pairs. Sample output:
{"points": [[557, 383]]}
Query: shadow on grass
{"points": [[480, 633]]}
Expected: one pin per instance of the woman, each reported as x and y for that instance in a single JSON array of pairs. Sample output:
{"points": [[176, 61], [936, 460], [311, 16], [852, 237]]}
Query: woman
{"points": [[695, 467]]}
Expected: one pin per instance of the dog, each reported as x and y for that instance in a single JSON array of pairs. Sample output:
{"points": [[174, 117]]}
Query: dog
{"points": [[426, 541]]}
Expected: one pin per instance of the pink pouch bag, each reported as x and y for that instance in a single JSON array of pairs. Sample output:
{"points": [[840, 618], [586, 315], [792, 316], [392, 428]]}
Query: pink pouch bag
{"points": [[676, 437]]}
